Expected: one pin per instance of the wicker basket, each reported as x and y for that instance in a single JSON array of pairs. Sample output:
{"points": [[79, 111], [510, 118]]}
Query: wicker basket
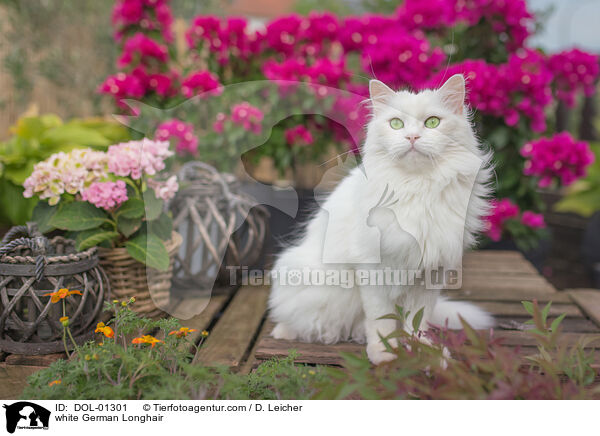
{"points": [[130, 278], [31, 267]]}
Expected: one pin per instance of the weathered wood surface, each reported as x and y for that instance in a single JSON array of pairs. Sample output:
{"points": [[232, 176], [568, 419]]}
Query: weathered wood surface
{"points": [[13, 379], [497, 281], [232, 337]]}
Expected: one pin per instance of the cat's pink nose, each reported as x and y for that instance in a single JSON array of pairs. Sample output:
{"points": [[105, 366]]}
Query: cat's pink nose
{"points": [[412, 138]]}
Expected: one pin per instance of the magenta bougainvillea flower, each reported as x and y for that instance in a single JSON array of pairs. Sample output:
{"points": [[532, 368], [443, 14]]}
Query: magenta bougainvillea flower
{"points": [[574, 70], [533, 220], [142, 49], [180, 134], [248, 116], [298, 135], [501, 210], [106, 195], [560, 158], [199, 83]]}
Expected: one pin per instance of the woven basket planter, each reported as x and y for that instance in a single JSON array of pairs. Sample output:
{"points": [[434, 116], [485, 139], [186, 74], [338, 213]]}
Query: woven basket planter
{"points": [[220, 225], [130, 278], [31, 267]]}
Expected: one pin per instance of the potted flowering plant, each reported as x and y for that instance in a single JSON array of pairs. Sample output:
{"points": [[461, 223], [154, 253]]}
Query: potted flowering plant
{"points": [[114, 200]]}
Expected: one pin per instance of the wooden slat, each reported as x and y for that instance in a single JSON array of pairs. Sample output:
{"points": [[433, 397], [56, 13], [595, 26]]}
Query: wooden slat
{"points": [[575, 325], [588, 301], [200, 322], [13, 379], [496, 255], [232, 336], [520, 283], [515, 309], [522, 338], [306, 353], [40, 360], [542, 296], [251, 362]]}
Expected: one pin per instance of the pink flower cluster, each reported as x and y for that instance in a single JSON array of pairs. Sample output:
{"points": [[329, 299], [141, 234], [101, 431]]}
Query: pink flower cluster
{"points": [[560, 157], [143, 50], [521, 87], [574, 70], [227, 39], [135, 158], [501, 211], [164, 190], [248, 116], [401, 59], [199, 83], [106, 195], [149, 15], [182, 135], [321, 73], [298, 135], [533, 220]]}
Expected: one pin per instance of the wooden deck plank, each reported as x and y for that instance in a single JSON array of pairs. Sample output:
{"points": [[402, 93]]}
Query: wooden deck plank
{"points": [[232, 335], [515, 309], [588, 301], [212, 306], [252, 362], [515, 294], [36, 360], [13, 379]]}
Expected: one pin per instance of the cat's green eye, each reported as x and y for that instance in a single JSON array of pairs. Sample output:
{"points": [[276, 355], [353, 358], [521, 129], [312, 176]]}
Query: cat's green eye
{"points": [[432, 122], [396, 123]]}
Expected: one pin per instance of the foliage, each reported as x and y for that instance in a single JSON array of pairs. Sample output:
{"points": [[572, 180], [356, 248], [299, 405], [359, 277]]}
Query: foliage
{"points": [[35, 138], [467, 364], [115, 368], [113, 199], [583, 197]]}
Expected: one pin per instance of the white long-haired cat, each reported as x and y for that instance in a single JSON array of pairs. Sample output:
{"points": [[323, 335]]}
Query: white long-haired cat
{"points": [[416, 203]]}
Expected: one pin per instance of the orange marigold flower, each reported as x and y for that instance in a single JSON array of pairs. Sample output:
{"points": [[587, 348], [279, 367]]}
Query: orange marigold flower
{"points": [[104, 329], [204, 333], [183, 331], [64, 320], [146, 339], [55, 382], [62, 293]]}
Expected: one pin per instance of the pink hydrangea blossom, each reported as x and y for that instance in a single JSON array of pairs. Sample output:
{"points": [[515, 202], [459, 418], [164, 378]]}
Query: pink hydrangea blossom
{"points": [[106, 195], [182, 135], [501, 211], [298, 135], [122, 85], [65, 173], [248, 116], [533, 220], [560, 157], [199, 83], [135, 158], [164, 190]]}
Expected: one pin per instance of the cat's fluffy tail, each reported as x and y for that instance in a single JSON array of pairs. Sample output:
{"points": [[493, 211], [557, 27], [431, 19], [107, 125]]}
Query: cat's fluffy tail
{"points": [[446, 310]]}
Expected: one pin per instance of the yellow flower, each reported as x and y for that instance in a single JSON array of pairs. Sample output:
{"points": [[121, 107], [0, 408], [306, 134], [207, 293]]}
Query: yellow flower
{"points": [[311, 372], [116, 301], [124, 303], [107, 331], [204, 333], [64, 320], [183, 331], [87, 357], [62, 293], [147, 339], [55, 382]]}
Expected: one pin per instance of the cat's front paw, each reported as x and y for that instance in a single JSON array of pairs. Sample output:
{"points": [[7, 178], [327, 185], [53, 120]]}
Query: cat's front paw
{"points": [[377, 353]]}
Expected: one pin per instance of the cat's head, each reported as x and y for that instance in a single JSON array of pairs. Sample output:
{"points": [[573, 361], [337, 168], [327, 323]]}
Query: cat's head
{"points": [[416, 130]]}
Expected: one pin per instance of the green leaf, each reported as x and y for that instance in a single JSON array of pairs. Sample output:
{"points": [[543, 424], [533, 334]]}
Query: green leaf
{"points": [[162, 226], [74, 134], [546, 311], [556, 322], [128, 226], [416, 321], [528, 305], [93, 237], [42, 214], [154, 206], [78, 216], [149, 250], [132, 208]]}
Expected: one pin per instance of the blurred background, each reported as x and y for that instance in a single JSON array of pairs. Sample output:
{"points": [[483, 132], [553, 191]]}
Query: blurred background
{"points": [[532, 68]]}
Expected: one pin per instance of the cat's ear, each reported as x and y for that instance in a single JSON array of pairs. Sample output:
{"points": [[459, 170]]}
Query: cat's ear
{"points": [[379, 93], [453, 93]]}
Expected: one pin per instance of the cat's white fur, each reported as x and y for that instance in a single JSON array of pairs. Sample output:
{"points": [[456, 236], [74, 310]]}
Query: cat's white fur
{"points": [[439, 191]]}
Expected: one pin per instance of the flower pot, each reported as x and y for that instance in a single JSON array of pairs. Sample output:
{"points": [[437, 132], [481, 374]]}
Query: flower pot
{"points": [[31, 268], [130, 278]]}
